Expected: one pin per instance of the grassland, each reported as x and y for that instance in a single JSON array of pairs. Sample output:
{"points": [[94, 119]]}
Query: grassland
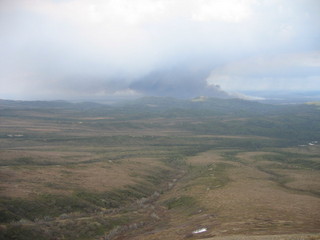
{"points": [[159, 169]]}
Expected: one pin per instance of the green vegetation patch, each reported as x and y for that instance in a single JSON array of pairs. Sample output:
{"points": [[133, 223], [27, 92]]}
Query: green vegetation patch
{"points": [[292, 160], [118, 197], [231, 156], [46, 205], [25, 161], [70, 228], [210, 176], [84, 201], [182, 203], [19, 232]]}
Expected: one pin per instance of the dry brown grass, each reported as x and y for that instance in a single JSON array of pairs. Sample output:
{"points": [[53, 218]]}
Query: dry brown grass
{"points": [[206, 158], [304, 180], [251, 205], [270, 237], [28, 181]]}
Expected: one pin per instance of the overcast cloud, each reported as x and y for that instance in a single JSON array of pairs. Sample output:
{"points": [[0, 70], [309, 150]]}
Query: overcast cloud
{"points": [[73, 49]]}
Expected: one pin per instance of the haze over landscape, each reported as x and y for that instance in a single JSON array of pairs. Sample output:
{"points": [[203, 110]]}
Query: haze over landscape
{"points": [[92, 50], [160, 119]]}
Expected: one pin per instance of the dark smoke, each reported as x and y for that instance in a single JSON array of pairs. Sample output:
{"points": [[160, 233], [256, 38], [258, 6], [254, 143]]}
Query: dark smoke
{"points": [[177, 83]]}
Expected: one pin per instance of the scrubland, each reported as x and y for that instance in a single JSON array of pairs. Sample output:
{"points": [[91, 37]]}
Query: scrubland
{"points": [[236, 170]]}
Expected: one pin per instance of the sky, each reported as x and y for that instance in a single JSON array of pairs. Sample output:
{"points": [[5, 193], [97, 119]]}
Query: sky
{"points": [[93, 49]]}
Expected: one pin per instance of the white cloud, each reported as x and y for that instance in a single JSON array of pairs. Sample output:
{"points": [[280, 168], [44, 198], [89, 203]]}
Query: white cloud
{"points": [[280, 72], [134, 12], [56, 42], [221, 10]]}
